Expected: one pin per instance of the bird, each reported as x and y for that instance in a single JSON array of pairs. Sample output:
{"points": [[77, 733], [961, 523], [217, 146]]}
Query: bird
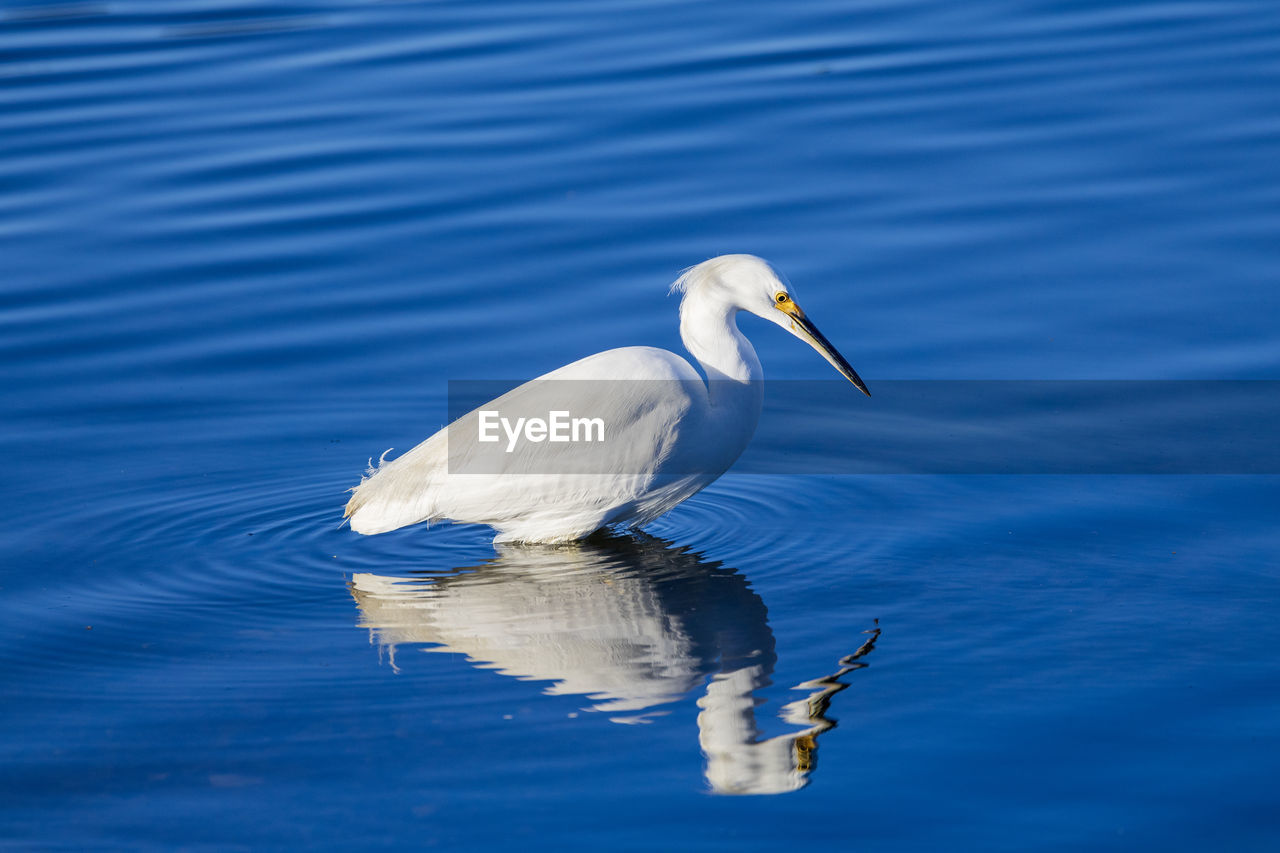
{"points": [[666, 431]]}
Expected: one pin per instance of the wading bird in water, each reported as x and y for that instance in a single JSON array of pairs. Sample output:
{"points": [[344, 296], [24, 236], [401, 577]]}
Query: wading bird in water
{"points": [[670, 432]]}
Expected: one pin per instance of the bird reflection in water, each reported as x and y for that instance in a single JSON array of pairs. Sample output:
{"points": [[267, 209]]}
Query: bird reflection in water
{"points": [[630, 622]]}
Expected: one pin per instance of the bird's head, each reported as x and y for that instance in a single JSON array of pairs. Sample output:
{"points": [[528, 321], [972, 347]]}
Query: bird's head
{"points": [[751, 284]]}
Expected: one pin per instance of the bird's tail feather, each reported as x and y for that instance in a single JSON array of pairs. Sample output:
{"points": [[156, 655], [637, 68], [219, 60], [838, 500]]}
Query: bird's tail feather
{"points": [[394, 494]]}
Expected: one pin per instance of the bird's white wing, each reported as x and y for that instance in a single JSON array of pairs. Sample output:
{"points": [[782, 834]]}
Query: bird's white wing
{"points": [[645, 398]]}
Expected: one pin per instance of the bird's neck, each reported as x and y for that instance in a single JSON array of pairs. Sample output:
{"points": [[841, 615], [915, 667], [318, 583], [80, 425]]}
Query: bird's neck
{"points": [[709, 329]]}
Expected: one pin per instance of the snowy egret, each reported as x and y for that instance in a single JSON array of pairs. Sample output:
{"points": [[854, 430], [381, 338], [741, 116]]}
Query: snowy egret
{"points": [[671, 433]]}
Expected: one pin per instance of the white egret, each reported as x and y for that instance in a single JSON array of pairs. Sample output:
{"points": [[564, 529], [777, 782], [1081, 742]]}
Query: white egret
{"points": [[671, 433]]}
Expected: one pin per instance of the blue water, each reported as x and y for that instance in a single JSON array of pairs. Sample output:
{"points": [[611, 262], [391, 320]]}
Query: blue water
{"points": [[244, 247]]}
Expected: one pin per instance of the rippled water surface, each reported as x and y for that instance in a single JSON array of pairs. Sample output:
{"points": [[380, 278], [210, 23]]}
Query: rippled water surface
{"points": [[245, 246]]}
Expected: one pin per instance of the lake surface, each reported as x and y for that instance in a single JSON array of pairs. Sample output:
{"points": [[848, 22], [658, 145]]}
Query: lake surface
{"points": [[247, 246]]}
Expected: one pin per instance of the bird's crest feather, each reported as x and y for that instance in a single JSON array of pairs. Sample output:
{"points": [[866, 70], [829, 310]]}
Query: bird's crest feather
{"points": [[698, 275]]}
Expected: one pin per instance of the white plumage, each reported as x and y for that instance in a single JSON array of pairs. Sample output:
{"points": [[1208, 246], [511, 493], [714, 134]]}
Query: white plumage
{"points": [[670, 433]]}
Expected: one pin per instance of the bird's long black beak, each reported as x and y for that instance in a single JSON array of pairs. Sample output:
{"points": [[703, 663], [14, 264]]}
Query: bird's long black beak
{"points": [[805, 329]]}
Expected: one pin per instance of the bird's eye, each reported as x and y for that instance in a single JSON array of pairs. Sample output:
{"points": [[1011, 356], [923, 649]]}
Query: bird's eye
{"points": [[782, 297]]}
